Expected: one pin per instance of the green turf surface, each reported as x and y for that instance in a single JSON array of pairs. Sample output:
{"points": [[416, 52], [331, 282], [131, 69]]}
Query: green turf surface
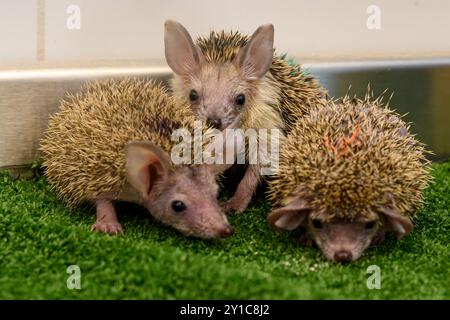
{"points": [[40, 238]]}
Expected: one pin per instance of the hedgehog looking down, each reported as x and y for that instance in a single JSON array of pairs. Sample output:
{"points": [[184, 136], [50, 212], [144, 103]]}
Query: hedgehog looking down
{"points": [[229, 76], [113, 142], [348, 173]]}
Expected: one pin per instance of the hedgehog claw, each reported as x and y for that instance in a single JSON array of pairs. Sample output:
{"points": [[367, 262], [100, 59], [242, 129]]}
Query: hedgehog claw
{"points": [[113, 228]]}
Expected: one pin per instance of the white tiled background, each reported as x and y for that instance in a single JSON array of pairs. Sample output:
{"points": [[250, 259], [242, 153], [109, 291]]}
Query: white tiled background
{"points": [[18, 23], [133, 29]]}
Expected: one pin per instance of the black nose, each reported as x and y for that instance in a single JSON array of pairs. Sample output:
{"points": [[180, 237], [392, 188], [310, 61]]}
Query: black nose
{"points": [[227, 232], [216, 123], [343, 256]]}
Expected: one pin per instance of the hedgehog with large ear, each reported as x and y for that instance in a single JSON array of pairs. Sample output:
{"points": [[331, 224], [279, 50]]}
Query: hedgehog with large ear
{"points": [[112, 141], [349, 172], [227, 77]]}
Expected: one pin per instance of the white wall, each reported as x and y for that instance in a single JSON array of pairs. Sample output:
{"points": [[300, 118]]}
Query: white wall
{"points": [[133, 29], [17, 30]]}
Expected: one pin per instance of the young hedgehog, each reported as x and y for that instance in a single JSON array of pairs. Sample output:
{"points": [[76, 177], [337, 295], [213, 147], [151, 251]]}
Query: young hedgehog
{"points": [[349, 172], [112, 142], [230, 77]]}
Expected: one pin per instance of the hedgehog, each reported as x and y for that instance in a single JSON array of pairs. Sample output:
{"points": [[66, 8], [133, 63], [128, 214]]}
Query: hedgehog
{"points": [[229, 77], [349, 172], [112, 142]]}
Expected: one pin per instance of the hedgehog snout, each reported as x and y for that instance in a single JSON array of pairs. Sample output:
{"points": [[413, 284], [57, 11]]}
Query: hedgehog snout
{"points": [[207, 220], [215, 123], [227, 232], [343, 256], [220, 226], [213, 232]]}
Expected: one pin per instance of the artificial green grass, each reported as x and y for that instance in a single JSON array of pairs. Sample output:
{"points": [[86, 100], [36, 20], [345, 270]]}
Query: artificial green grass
{"points": [[40, 238]]}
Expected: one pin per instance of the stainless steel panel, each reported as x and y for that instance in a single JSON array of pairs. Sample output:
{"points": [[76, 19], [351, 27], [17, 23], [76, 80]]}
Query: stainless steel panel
{"points": [[28, 97], [421, 90]]}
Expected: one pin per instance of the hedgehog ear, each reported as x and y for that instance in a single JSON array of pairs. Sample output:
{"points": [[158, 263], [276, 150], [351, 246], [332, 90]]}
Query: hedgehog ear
{"points": [[399, 224], [145, 163], [291, 216], [255, 58], [182, 55]]}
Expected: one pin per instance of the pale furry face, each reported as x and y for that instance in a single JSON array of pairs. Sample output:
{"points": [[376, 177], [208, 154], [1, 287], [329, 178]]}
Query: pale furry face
{"points": [[217, 93], [341, 240], [184, 197]]}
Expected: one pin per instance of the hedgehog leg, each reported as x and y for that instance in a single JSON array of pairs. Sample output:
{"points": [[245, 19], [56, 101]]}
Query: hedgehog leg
{"points": [[306, 241], [244, 192], [106, 218]]}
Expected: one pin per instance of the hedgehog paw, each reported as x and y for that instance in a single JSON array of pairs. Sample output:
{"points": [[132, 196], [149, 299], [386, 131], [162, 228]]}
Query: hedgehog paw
{"points": [[378, 238], [114, 228], [306, 241], [235, 205]]}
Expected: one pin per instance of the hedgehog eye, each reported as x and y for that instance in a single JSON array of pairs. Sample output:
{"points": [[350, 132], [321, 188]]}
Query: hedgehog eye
{"points": [[193, 95], [369, 225], [178, 206], [317, 224], [240, 100]]}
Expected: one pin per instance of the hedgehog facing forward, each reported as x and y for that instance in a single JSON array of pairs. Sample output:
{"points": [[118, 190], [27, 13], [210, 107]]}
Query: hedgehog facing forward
{"points": [[113, 142], [348, 173], [229, 77]]}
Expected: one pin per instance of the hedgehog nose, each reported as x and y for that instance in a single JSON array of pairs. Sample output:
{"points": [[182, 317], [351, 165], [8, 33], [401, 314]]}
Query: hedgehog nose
{"points": [[227, 232], [216, 123], [343, 256]]}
